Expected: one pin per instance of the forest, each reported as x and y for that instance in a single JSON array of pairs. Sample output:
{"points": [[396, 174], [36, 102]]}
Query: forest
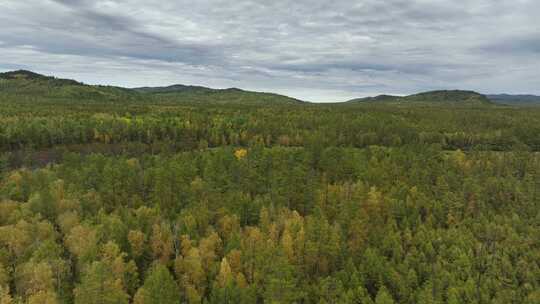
{"points": [[147, 199]]}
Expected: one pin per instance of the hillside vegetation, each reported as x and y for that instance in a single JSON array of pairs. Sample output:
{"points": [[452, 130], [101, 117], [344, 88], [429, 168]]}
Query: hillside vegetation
{"points": [[435, 98], [151, 200], [28, 86]]}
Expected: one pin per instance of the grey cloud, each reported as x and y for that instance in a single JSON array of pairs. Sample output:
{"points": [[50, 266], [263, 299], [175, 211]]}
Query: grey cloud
{"points": [[72, 2], [85, 31], [345, 48], [514, 46]]}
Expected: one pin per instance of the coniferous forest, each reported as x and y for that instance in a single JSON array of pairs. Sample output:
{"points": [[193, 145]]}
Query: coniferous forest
{"points": [[110, 195]]}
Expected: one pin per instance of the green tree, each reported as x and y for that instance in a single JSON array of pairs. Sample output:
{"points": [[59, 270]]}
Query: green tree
{"points": [[159, 288], [99, 287], [383, 297]]}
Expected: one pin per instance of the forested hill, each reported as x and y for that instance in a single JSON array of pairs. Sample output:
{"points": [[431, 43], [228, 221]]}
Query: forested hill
{"points": [[31, 76], [24, 85], [175, 88], [441, 97], [29, 86], [204, 94]]}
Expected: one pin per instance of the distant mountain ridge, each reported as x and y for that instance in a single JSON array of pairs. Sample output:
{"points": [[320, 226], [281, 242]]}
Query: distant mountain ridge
{"points": [[175, 88], [383, 97], [28, 85], [31, 85], [200, 93], [518, 99], [440, 97]]}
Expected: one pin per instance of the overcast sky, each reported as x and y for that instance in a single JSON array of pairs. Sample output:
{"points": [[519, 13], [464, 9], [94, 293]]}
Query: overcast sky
{"points": [[316, 50]]}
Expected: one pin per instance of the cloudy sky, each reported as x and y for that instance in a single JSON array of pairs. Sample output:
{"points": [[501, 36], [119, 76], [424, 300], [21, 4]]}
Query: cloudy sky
{"points": [[316, 50]]}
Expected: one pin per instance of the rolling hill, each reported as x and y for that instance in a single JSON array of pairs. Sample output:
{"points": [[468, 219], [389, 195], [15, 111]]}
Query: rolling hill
{"points": [[378, 98], [27, 85], [441, 97], [176, 88], [190, 93]]}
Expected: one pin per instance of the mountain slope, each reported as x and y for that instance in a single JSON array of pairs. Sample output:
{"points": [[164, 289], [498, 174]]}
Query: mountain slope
{"points": [[457, 97], [26, 85], [199, 94], [175, 88], [378, 98], [23, 85], [441, 97]]}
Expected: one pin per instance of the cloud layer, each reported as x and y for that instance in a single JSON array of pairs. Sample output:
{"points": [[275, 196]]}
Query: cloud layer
{"points": [[312, 49]]}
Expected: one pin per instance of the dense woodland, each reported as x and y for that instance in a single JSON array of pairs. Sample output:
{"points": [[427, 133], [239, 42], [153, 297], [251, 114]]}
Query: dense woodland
{"points": [[157, 201]]}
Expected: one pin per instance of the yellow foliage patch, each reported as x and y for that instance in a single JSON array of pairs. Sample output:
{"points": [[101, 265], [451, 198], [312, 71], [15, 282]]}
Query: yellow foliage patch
{"points": [[240, 153]]}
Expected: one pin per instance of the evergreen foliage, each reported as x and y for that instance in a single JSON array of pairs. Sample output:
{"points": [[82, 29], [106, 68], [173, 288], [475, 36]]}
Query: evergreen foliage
{"points": [[128, 202]]}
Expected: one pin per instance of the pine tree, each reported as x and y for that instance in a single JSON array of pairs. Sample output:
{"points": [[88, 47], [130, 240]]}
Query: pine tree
{"points": [[159, 287], [383, 297]]}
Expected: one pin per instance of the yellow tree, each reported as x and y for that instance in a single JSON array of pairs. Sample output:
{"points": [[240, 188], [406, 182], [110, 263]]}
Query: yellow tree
{"points": [[43, 297], [67, 221], [16, 238], [209, 248], [126, 272], [240, 153], [287, 243], [161, 243], [225, 275], [5, 297], [32, 278], [82, 242], [137, 241]]}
